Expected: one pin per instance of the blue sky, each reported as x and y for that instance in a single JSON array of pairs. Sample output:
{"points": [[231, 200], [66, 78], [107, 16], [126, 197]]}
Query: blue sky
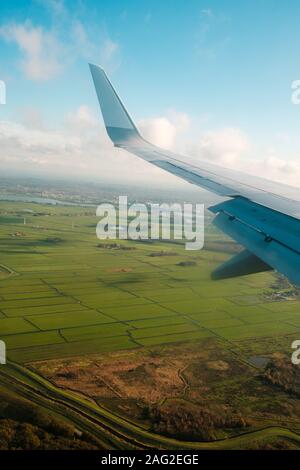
{"points": [[215, 74]]}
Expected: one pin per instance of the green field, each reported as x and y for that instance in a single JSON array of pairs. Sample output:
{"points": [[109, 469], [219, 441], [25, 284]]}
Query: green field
{"points": [[62, 295], [135, 328]]}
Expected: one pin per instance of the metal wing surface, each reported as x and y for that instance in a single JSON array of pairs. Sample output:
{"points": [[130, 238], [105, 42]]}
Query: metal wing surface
{"points": [[262, 215]]}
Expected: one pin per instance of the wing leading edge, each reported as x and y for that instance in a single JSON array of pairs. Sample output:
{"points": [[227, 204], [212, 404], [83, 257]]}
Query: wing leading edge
{"points": [[261, 215]]}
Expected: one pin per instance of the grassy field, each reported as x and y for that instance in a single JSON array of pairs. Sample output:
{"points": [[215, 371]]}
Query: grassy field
{"points": [[103, 321], [62, 295]]}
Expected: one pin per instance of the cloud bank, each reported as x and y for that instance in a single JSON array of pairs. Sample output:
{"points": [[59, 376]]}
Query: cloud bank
{"points": [[80, 147], [43, 54]]}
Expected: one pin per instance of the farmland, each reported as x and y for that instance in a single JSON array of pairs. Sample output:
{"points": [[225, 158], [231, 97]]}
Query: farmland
{"points": [[65, 299]]}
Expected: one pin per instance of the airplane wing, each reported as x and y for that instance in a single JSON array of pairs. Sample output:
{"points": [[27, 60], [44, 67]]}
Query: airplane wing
{"points": [[261, 215]]}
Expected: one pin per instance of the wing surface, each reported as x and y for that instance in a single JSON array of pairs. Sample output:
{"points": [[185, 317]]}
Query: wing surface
{"points": [[262, 215]]}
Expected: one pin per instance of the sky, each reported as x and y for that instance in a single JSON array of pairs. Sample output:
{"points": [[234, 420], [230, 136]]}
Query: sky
{"points": [[210, 79]]}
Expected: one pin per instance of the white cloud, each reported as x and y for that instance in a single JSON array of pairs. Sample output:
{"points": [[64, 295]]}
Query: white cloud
{"points": [[229, 147], [80, 147], [206, 12], [42, 50], [163, 131], [57, 7], [33, 140], [213, 35], [80, 39], [159, 131], [225, 146], [81, 119], [109, 54], [275, 168], [232, 148], [46, 52], [31, 117]]}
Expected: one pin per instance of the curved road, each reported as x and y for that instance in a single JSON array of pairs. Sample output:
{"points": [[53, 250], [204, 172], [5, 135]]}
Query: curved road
{"points": [[113, 431]]}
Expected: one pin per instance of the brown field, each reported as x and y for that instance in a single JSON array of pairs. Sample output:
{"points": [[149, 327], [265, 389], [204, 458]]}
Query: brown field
{"points": [[171, 380]]}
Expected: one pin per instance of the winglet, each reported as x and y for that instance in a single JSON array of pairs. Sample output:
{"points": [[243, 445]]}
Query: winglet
{"points": [[118, 123]]}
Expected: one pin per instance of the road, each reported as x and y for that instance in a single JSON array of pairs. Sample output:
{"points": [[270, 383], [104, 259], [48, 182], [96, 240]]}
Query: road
{"points": [[112, 430]]}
